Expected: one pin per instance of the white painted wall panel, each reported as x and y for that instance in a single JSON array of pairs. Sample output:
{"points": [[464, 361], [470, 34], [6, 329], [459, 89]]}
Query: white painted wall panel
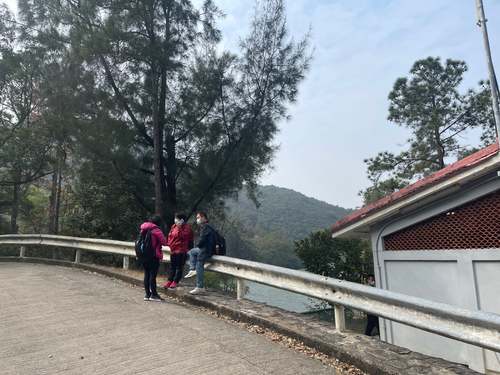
{"points": [[465, 278], [433, 280], [487, 278]]}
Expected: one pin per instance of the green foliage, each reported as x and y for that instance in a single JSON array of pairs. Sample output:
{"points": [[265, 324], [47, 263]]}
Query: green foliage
{"points": [[99, 205], [25, 139], [267, 231], [483, 114], [285, 211], [34, 209], [274, 248], [224, 283], [138, 109], [237, 238], [380, 189], [4, 224], [342, 259], [430, 106], [203, 119]]}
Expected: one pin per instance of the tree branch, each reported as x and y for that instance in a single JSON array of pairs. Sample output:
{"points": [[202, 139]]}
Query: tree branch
{"points": [[128, 183], [109, 77], [196, 123], [224, 120], [454, 122], [454, 134], [217, 176], [37, 175]]}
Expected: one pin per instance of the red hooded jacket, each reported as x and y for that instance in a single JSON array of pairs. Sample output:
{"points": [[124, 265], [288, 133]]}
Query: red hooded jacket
{"points": [[180, 239], [157, 236]]}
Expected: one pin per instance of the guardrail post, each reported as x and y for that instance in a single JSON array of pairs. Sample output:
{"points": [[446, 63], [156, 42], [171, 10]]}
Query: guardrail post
{"points": [[78, 255], [22, 252], [125, 262], [240, 288], [339, 317]]}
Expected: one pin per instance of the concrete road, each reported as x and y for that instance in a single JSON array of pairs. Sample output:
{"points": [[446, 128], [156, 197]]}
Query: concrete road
{"points": [[56, 320]]}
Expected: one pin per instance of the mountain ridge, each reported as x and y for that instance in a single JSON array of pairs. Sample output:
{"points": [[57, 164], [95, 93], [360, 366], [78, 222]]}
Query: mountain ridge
{"points": [[284, 215], [305, 214]]}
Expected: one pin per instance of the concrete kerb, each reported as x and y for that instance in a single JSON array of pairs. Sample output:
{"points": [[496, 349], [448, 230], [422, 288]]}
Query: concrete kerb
{"points": [[369, 355]]}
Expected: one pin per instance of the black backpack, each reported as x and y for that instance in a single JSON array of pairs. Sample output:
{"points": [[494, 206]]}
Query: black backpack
{"points": [[144, 250], [219, 244]]}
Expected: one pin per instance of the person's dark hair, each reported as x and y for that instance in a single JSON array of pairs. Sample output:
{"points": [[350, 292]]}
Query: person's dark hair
{"points": [[181, 216], [202, 213], [155, 219], [370, 275]]}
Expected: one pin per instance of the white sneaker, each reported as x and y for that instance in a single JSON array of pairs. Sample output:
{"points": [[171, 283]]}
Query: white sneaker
{"points": [[197, 291], [191, 273]]}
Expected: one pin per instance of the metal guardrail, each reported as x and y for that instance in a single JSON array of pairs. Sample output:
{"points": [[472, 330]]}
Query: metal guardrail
{"points": [[473, 327]]}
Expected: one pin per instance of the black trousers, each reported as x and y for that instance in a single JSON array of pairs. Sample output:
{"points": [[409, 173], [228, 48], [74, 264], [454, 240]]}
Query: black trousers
{"points": [[150, 272], [177, 262], [371, 323]]}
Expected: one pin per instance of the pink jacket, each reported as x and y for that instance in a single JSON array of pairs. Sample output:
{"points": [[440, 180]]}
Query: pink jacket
{"points": [[157, 236]]}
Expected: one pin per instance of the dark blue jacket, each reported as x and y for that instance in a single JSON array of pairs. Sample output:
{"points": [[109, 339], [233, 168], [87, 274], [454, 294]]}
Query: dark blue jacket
{"points": [[206, 240]]}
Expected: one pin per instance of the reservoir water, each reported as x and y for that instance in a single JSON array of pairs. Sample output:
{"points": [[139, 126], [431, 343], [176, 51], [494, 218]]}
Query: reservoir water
{"points": [[281, 298]]}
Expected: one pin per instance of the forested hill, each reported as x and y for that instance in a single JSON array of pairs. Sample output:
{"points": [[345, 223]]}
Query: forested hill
{"points": [[285, 211]]}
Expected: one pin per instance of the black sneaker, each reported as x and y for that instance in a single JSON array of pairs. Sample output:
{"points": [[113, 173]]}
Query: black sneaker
{"points": [[156, 298], [146, 298]]}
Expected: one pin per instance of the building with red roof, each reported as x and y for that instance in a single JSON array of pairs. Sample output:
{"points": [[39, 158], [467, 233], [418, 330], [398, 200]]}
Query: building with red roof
{"points": [[439, 239]]}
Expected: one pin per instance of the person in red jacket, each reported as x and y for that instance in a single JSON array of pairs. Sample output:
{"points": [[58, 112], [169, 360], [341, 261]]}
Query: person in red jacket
{"points": [[180, 240], [151, 266]]}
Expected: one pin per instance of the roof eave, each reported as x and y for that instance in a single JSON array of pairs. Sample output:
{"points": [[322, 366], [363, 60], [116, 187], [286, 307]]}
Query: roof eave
{"points": [[362, 227]]}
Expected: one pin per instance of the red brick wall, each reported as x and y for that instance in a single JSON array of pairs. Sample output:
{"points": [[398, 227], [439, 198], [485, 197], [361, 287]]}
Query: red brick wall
{"points": [[475, 225]]}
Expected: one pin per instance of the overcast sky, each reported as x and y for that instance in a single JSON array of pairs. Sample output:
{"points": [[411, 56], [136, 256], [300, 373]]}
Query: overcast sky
{"points": [[361, 47]]}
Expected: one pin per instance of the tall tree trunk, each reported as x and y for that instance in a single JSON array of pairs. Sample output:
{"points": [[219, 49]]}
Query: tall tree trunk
{"points": [[440, 148], [15, 208], [158, 127], [55, 197], [169, 162], [171, 172], [55, 200], [58, 201], [52, 202], [158, 167]]}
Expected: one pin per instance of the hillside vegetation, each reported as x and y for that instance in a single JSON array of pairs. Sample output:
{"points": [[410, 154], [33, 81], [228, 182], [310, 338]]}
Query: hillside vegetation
{"points": [[266, 233]]}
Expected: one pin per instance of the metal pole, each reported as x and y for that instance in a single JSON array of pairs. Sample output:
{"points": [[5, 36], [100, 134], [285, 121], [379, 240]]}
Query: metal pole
{"points": [[481, 22], [78, 256], [240, 288], [339, 317]]}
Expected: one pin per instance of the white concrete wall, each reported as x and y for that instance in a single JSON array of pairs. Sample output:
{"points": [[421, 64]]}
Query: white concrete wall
{"points": [[487, 274], [465, 278]]}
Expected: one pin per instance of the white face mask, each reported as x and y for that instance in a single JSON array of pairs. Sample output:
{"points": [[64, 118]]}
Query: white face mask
{"points": [[179, 221], [199, 221]]}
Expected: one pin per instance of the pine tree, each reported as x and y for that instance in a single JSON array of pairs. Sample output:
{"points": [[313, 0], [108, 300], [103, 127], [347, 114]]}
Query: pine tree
{"points": [[428, 103]]}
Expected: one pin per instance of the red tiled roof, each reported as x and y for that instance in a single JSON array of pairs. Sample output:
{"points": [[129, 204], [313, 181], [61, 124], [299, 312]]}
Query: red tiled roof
{"points": [[443, 174]]}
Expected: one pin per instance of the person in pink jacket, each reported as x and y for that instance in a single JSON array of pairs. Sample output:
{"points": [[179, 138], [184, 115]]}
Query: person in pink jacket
{"points": [[151, 265]]}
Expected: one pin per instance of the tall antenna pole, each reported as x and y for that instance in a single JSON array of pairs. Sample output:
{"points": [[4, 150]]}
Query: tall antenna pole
{"points": [[481, 22]]}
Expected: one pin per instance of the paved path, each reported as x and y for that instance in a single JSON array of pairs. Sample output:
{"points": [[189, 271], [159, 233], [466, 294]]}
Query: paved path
{"points": [[55, 320]]}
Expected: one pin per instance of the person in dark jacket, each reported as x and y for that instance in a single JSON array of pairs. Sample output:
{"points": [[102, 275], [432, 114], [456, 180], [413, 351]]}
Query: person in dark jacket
{"points": [[151, 266], [202, 251], [371, 320], [180, 240]]}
